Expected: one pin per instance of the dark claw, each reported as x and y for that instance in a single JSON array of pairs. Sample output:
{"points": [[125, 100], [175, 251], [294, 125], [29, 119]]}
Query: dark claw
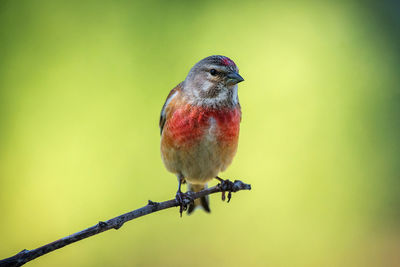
{"points": [[183, 199], [226, 185], [229, 196]]}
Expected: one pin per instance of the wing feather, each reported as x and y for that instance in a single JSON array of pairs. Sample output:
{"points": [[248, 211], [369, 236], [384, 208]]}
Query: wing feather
{"points": [[163, 115]]}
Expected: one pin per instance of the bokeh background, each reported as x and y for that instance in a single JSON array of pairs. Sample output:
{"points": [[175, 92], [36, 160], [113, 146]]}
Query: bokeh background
{"points": [[81, 87]]}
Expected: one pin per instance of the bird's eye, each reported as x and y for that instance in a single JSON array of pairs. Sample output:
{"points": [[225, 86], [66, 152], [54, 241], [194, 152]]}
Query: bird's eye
{"points": [[213, 72]]}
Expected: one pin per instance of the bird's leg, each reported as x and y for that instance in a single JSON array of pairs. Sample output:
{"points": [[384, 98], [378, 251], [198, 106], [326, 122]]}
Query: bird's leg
{"points": [[225, 185], [183, 199]]}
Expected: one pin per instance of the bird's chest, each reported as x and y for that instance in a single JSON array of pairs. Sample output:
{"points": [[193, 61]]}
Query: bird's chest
{"points": [[194, 126], [199, 143]]}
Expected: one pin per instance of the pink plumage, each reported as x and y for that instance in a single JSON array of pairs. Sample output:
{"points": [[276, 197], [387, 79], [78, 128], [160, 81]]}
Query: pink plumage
{"points": [[189, 124]]}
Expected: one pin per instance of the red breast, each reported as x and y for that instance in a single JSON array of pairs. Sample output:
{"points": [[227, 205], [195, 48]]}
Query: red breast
{"points": [[189, 124]]}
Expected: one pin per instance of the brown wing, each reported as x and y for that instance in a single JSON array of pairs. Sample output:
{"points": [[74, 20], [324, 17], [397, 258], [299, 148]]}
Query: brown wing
{"points": [[163, 115]]}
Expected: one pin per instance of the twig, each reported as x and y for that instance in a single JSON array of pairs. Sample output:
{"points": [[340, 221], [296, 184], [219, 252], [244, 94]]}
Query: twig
{"points": [[115, 223]]}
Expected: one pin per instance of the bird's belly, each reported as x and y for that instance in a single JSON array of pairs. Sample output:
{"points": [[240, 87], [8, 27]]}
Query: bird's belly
{"points": [[202, 161], [199, 154]]}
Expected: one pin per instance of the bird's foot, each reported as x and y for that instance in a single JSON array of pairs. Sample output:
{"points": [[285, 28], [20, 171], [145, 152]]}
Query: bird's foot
{"points": [[183, 199], [226, 185]]}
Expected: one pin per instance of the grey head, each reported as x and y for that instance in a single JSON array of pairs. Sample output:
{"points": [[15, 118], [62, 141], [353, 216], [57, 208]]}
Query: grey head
{"points": [[213, 82]]}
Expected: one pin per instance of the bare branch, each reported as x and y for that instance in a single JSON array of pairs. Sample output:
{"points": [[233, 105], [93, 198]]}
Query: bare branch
{"points": [[115, 223]]}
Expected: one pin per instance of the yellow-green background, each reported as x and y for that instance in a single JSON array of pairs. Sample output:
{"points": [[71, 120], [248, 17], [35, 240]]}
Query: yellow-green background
{"points": [[81, 87]]}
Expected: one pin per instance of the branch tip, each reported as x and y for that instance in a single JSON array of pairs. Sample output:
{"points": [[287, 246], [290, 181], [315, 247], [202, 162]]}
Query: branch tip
{"points": [[239, 185]]}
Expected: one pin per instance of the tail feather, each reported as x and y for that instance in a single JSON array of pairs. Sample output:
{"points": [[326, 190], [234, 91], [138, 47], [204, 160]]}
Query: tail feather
{"points": [[202, 202]]}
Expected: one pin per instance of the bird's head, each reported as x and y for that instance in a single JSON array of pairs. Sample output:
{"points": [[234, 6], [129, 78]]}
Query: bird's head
{"points": [[213, 82]]}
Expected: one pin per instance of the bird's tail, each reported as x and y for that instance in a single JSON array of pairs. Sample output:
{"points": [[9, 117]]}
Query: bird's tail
{"points": [[203, 201]]}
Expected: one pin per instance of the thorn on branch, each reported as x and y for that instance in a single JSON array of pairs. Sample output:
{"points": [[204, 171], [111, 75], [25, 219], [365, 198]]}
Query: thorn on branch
{"points": [[23, 251], [119, 225], [152, 203], [102, 224]]}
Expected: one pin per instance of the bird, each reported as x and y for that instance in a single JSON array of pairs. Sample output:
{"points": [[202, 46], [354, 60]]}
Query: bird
{"points": [[199, 126]]}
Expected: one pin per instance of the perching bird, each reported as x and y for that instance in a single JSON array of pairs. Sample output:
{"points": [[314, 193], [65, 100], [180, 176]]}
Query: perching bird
{"points": [[199, 125]]}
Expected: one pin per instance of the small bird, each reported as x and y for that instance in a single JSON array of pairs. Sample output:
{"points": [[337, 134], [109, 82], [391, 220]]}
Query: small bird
{"points": [[199, 126]]}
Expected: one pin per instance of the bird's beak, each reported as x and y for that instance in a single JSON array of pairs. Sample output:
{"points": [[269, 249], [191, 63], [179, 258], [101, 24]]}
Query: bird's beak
{"points": [[234, 78]]}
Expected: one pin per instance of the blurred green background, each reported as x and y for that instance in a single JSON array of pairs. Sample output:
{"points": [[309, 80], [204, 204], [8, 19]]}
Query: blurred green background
{"points": [[81, 88]]}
